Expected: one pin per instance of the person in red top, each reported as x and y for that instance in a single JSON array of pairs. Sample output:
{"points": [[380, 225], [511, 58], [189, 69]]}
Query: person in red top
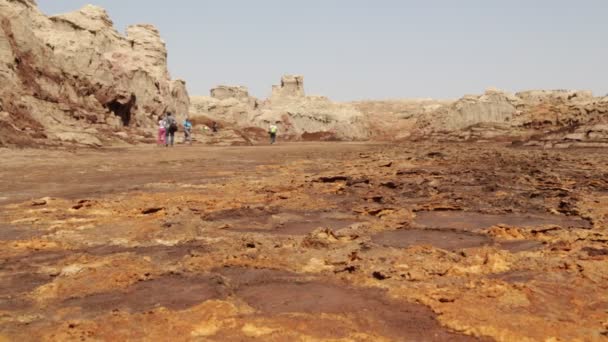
{"points": [[162, 131]]}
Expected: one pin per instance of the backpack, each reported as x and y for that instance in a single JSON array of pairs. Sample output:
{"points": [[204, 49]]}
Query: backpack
{"points": [[172, 125]]}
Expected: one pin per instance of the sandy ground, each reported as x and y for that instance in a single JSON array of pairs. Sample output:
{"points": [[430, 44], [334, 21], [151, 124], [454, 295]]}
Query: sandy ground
{"points": [[304, 242]]}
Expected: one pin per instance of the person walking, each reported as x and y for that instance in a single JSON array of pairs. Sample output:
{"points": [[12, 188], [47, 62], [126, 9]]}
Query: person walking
{"points": [[188, 131], [272, 131], [162, 131], [171, 128]]}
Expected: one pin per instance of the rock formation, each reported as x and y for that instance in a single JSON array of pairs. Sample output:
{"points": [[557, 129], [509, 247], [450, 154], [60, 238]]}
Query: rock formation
{"points": [[542, 117], [292, 86], [226, 92], [574, 120], [558, 118], [299, 117], [396, 119], [74, 78]]}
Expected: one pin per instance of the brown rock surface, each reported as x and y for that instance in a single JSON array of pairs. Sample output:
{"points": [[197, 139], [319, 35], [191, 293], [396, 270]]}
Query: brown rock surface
{"points": [[419, 239], [308, 241]]}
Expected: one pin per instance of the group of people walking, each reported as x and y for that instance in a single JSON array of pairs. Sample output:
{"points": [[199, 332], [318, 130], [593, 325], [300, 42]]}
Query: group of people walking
{"points": [[167, 127]]}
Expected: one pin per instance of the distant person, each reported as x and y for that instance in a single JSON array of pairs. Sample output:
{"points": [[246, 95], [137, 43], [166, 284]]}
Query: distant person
{"points": [[162, 131], [188, 131], [171, 128], [272, 131], [214, 127]]}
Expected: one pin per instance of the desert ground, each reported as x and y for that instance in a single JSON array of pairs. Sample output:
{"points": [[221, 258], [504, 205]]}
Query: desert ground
{"points": [[417, 241], [476, 218]]}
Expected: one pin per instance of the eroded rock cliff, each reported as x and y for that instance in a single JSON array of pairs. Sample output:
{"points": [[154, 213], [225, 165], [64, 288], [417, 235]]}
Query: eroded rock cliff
{"points": [[299, 117], [558, 118], [73, 78], [548, 118]]}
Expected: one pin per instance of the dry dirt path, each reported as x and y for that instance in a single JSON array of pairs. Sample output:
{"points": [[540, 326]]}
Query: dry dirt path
{"points": [[304, 242], [28, 174]]}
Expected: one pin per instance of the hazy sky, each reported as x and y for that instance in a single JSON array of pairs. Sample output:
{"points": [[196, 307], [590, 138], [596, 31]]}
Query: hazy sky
{"points": [[374, 49]]}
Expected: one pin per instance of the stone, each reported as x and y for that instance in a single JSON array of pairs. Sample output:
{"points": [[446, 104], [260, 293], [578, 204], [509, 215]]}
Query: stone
{"points": [[320, 238], [79, 138], [576, 136]]}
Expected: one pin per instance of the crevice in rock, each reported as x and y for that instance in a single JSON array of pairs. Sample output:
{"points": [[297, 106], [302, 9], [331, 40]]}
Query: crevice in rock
{"points": [[122, 108]]}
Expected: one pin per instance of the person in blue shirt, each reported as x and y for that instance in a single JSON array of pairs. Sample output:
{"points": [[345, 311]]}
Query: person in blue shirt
{"points": [[188, 131]]}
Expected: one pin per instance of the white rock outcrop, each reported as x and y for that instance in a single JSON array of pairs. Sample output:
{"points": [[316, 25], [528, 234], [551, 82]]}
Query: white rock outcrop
{"points": [[74, 75], [492, 107], [292, 86], [299, 117], [495, 114]]}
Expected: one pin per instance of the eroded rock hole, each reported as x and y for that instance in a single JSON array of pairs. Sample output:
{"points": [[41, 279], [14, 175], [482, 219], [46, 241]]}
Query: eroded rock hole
{"points": [[122, 108]]}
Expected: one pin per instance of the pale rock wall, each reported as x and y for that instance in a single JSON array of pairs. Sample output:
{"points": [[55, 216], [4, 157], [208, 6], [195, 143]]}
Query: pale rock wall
{"points": [[223, 92], [396, 119], [74, 75], [492, 107], [556, 117], [292, 86], [540, 96], [230, 104], [295, 114], [314, 115]]}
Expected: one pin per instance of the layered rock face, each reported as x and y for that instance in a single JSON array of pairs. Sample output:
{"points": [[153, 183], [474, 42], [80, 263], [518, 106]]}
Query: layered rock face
{"points": [[396, 119], [558, 118], [310, 117], [226, 92], [74, 78], [292, 86], [299, 117], [578, 120]]}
